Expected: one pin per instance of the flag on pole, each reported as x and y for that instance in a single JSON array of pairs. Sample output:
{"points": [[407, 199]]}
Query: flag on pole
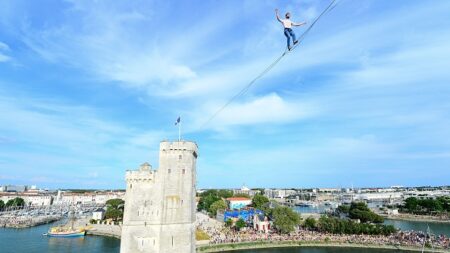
{"points": [[178, 121]]}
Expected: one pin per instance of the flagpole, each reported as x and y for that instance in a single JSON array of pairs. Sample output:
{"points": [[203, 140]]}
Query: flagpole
{"points": [[179, 131]]}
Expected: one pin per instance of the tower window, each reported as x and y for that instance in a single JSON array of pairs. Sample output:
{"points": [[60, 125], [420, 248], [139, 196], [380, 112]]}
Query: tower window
{"points": [[169, 170], [183, 171], [131, 186], [180, 157]]}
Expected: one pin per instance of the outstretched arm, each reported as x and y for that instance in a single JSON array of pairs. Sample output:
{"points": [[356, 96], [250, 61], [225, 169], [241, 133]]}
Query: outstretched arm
{"points": [[298, 24], [276, 13]]}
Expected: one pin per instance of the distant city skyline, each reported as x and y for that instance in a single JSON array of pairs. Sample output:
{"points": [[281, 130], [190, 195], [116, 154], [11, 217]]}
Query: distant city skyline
{"points": [[89, 89]]}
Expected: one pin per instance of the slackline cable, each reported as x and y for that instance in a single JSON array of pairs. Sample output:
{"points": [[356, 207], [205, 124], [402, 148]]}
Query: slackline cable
{"points": [[244, 90]]}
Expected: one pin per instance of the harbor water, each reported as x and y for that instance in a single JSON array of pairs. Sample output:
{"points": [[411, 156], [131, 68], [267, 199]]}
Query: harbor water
{"points": [[31, 240], [435, 228]]}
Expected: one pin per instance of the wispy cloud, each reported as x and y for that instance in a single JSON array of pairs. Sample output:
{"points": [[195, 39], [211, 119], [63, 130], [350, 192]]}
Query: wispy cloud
{"points": [[4, 48], [271, 109], [366, 92], [54, 141]]}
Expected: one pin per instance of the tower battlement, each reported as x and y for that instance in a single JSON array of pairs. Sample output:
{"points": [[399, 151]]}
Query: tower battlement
{"points": [[144, 173], [160, 204], [177, 146]]}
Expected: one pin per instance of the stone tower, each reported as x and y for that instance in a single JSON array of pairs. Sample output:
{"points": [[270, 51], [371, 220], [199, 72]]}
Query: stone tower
{"points": [[160, 204]]}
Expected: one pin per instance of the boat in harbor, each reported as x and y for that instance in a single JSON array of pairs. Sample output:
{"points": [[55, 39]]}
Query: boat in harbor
{"points": [[306, 204], [65, 232]]}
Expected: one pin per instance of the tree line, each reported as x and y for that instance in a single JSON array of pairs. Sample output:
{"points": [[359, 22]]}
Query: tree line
{"points": [[336, 225], [360, 211], [426, 206], [369, 223], [15, 202]]}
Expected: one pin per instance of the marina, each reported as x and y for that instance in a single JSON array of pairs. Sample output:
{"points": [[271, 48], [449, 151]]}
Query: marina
{"points": [[32, 241]]}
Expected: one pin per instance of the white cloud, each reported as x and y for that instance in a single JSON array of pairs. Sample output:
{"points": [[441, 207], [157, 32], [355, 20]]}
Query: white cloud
{"points": [[125, 43], [54, 142], [269, 109], [4, 58], [3, 49]]}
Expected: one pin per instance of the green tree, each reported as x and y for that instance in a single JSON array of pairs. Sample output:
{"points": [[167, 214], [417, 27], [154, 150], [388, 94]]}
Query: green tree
{"points": [[207, 198], [359, 210], [343, 209], [285, 219], [310, 223], [242, 195], [342, 226], [240, 224], [259, 201], [216, 206], [114, 209], [16, 202], [411, 204], [229, 223], [225, 194], [2, 204]]}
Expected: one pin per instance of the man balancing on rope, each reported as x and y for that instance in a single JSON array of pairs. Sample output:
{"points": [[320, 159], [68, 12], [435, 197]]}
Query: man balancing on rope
{"points": [[287, 24]]}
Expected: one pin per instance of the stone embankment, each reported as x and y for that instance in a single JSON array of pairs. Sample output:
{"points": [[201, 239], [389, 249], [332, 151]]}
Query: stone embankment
{"points": [[26, 221], [422, 218], [105, 230]]}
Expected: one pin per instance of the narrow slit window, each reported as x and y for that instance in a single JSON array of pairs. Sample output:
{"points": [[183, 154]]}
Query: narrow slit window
{"points": [[183, 171]]}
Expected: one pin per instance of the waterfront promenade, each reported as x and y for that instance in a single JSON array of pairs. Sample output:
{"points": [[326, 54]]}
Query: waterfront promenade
{"points": [[408, 239]]}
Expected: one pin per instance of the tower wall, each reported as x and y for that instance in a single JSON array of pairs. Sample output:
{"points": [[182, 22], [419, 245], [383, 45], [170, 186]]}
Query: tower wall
{"points": [[160, 204]]}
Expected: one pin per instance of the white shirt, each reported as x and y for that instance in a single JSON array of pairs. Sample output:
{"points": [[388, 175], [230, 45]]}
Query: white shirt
{"points": [[287, 23]]}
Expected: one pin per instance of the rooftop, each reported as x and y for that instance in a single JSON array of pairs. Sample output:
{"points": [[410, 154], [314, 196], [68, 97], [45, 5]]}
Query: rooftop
{"points": [[237, 198]]}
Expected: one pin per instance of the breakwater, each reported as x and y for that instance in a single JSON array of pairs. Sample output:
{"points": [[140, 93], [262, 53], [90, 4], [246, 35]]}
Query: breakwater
{"points": [[27, 221]]}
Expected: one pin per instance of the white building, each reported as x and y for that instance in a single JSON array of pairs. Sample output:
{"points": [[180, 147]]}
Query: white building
{"points": [[98, 214], [160, 204], [261, 223], [88, 198], [278, 193], [245, 190], [238, 202], [30, 199]]}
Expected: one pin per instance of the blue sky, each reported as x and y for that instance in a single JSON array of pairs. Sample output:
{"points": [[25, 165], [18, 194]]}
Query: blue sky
{"points": [[89, 88]]}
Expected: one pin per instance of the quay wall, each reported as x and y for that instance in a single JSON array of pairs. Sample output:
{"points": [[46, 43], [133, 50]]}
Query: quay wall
{"points": [[27, 221], [284, 244]]}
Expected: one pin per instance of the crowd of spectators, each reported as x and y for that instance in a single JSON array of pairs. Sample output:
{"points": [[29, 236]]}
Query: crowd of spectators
{"points": [[220, 234]]}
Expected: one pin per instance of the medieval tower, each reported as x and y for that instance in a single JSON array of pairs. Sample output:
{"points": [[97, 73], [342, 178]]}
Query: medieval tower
{"points": [[160, 204]]}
